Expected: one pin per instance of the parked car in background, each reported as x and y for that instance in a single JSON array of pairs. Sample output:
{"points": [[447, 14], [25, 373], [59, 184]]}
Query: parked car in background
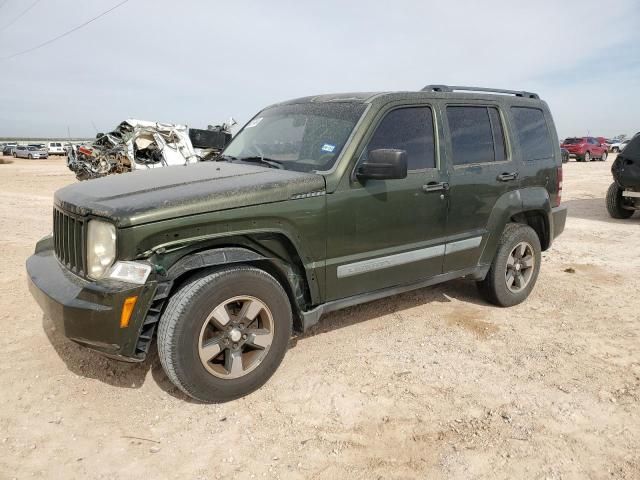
{"points": [[617, 146], [565, 155], [8, 148], [30, 151], [56, 148], [585, 149], [605, 142]]}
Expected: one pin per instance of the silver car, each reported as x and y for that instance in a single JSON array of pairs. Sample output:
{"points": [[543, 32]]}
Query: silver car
{"points": [[30, 151]]}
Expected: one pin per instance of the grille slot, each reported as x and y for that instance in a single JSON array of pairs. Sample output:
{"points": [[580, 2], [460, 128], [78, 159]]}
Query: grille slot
{"points": [[69, 240]]}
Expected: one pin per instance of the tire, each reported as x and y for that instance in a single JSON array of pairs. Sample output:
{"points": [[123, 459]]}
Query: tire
{"points": [[30, 157], [615, 202], [603, 157], [192, 310], [615, 150], [587, 157], [494, 287]]}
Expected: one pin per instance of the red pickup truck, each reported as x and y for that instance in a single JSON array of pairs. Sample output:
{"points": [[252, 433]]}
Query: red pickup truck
{"points": [[585, 149]]}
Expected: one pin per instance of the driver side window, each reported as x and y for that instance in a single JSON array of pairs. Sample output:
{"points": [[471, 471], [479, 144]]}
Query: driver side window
{"points": [[409, 129]]}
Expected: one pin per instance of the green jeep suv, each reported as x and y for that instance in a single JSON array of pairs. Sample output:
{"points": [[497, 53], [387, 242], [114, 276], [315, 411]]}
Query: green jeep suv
{"points": [[317, 204]]}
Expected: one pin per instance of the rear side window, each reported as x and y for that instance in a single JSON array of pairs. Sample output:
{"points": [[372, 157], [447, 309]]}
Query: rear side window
{"points": [[532, 132], [477, 135], [409, 129]]}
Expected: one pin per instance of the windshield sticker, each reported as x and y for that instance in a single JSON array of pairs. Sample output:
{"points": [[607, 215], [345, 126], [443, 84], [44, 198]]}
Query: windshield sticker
{"points": [[255, 122], [327, 147]]}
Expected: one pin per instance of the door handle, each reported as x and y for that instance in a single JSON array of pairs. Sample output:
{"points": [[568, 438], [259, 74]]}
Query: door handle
{"points": [[435, 187], [506, 177]]}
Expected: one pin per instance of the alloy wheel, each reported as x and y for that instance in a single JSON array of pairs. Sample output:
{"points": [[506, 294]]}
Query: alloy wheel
{"points": [[520, 267], [236, 337]]}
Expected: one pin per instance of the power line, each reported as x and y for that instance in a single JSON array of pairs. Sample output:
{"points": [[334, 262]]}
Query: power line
{"points": [[68, 32], [20, 15]]}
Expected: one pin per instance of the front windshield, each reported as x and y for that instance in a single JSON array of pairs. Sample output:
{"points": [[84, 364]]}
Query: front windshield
{"points": [[31, 149], [302, 136]]}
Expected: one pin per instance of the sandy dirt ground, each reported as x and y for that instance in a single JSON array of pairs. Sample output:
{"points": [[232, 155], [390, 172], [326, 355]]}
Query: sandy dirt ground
{"points": [[430, 384]]}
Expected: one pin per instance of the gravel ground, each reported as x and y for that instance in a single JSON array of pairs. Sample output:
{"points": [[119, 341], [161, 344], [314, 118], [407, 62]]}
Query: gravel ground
{"points": [[430, 384]]}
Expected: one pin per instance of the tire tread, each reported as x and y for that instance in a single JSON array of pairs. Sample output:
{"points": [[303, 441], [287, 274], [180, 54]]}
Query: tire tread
{"points": [[489, 287], [614, 206], [173, 313]]}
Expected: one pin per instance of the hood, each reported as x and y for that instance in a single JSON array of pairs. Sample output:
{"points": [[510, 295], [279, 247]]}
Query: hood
{"points": [[150, 195]]}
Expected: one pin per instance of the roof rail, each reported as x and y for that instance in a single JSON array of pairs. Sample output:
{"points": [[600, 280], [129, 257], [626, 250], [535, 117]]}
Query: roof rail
{"points": [[451, 88]]}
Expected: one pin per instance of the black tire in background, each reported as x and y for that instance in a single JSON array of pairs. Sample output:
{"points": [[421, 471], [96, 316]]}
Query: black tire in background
{"points": [[494, 287], [615, 202], [186, 314]]}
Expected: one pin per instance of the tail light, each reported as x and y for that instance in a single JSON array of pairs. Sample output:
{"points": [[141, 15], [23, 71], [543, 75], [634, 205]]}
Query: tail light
{"points": [[559, 186]]}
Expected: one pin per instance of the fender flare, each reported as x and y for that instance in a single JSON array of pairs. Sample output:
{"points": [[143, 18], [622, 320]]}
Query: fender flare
{"points": [[293, 283], [211, 258], [510, 204]]}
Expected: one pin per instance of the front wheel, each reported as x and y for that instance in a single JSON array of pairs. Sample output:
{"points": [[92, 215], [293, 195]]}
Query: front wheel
{"points": [[616, 203], [515, 267], [587, 157], [225, 333], [603, 157]]}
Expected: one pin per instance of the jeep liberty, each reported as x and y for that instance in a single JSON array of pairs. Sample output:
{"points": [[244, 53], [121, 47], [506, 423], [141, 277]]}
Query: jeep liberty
{"points": [[317, 204]]}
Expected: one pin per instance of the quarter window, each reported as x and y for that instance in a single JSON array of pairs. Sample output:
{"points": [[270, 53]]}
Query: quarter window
{"points": [[533, 134], [409, 129], [477, 135]]}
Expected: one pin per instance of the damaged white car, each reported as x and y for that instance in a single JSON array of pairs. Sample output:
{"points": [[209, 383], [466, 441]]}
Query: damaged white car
{"points": [[139, 144]]}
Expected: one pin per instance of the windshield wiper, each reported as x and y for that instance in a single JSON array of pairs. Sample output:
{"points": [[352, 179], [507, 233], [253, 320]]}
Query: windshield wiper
{"points": [[266, 161], [226, 158]]}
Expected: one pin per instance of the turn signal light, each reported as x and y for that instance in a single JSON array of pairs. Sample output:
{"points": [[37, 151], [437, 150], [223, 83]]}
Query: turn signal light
{"points": [[127, 309]]}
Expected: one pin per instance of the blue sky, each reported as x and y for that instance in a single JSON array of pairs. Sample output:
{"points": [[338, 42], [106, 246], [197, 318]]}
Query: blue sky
{"points": [[200, 62]]}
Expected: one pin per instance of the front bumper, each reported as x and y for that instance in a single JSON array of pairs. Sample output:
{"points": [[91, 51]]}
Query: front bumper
{"points": [[88, 312]]}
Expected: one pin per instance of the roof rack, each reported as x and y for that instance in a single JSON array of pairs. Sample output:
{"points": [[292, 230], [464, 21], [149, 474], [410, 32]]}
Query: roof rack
{"points": [[451, 88]]}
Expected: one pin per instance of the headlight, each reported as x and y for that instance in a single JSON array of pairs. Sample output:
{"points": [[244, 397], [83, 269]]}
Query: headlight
{"points": [[101, 247]]}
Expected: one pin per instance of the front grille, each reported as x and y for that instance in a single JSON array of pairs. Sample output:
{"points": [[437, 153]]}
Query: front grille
{"points": [[69, 241]]}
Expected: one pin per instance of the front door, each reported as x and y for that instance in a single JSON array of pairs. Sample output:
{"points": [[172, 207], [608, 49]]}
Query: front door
{"points": [[385, 233]]}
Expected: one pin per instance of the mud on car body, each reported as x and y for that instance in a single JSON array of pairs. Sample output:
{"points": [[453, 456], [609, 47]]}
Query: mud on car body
{"points": [[317, 204]]}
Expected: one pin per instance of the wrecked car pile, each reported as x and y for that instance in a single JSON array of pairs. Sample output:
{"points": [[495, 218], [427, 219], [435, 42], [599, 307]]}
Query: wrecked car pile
{"points": [[139, 144]]}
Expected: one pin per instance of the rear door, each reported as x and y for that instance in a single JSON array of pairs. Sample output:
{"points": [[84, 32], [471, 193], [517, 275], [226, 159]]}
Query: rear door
{"points": [[536, 141], [385, 233], [482, 169]]}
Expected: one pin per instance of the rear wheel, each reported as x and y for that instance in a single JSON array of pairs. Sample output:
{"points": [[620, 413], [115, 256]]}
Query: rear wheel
{"points": [[603, 158], [224, 334], [515, 268], [616, 202]]}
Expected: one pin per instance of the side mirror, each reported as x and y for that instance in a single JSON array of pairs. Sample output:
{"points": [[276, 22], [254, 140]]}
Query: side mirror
{"points": [[384, 164]]}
